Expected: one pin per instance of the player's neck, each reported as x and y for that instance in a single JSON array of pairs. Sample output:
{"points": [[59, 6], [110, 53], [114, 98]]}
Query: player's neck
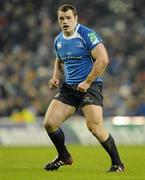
{"points": [[68, 34]]}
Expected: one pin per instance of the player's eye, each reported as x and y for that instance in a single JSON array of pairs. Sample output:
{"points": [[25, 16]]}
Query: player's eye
{"points": [[61, 18], [69, 17]]}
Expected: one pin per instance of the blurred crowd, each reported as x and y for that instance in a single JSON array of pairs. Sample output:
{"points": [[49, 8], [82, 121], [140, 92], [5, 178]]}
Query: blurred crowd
{"points": [[27, 32]]}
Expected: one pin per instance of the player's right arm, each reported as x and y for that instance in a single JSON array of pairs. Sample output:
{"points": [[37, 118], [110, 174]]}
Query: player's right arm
{"points": [[57, 74]]}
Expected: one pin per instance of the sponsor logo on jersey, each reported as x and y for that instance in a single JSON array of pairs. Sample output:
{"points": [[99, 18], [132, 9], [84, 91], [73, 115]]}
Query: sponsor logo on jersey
{"points": [[93, 38], [69, 53], [71, 57]]}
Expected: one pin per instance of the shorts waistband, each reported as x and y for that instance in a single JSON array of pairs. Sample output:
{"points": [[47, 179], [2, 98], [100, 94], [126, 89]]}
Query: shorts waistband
{"points": [[71, 86]]}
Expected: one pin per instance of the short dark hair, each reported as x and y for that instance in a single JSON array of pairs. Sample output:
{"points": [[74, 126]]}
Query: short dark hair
{"points": [[66, 7]]}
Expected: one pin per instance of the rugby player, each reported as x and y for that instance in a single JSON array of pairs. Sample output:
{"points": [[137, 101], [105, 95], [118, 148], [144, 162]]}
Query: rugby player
{"points": [[81, 59]]}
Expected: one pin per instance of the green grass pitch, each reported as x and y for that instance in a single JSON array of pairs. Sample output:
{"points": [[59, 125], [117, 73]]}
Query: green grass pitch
{"points": [[90, 163]]}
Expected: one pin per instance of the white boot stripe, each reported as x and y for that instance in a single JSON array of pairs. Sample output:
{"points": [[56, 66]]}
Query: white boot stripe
{"points": [[120, 169]]}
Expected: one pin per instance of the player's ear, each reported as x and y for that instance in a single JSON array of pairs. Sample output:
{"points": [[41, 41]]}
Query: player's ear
{"points": [[76, 17]]}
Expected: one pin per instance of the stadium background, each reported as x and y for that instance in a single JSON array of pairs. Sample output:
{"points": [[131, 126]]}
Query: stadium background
{"points": [[27, 31]]}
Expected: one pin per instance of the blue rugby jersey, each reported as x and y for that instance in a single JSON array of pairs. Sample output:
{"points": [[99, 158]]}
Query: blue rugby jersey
{"points": [[74, 51]]}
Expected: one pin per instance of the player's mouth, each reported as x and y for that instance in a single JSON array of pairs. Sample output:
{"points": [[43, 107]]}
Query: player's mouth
{"points": [[65, 27]]}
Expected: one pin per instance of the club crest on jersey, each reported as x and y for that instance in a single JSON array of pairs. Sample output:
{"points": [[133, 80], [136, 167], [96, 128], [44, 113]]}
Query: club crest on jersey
{"points": [[93, 38], [79, 44], [59, 45]]}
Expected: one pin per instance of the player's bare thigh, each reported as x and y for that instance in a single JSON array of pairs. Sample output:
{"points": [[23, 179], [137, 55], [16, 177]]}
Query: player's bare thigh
{"points": [[93, 114], [56, 114], [94, 120]]}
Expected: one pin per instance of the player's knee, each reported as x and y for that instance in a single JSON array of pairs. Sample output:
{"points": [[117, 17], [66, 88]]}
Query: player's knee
{"points": [[92, 128], [48, 124], [95, 130]]}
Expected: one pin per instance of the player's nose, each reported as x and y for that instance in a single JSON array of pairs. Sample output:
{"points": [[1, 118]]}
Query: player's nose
{"points": [[65, 21]]}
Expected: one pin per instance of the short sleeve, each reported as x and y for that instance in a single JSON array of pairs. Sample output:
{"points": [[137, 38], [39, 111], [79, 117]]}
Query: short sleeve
{"points": [[92, 39]]}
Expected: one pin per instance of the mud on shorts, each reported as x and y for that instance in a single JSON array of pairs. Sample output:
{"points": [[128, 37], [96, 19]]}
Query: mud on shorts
{"points": [[68, 94]]}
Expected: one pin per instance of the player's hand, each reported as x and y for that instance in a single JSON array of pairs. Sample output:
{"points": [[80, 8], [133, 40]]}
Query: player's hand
{"points": [[53, 83], [83, 86]]}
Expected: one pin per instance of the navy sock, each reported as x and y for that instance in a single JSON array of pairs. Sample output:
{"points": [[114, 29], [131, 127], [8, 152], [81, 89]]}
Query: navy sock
{"points": [[58, 140], [110, 147]]}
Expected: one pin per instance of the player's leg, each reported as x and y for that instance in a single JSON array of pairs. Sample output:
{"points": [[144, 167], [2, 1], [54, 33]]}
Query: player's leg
{"points": [[94, 120], [56, 114]]}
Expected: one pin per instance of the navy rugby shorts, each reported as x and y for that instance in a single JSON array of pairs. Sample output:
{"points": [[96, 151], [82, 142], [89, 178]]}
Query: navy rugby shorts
{"points": [[69, 95]]}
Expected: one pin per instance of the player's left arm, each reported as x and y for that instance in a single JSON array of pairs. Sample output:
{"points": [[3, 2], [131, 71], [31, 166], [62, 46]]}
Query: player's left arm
{"points": [[100, 56], [101, 60]]}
